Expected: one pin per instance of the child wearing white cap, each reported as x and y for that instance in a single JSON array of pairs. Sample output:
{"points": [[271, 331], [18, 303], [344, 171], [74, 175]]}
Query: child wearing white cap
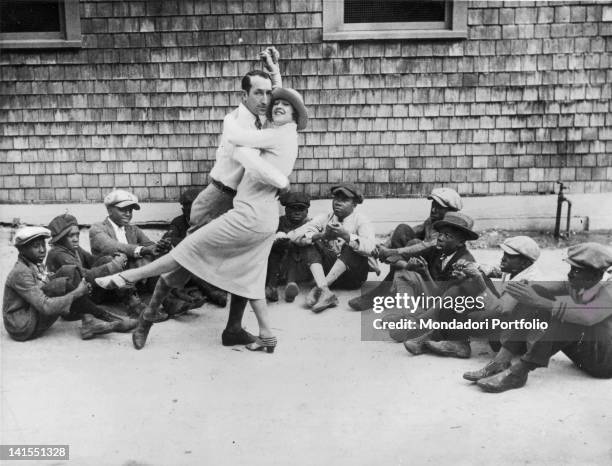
{"points": [[34, 299], [517, 263], [116, 234], [579, 317]]}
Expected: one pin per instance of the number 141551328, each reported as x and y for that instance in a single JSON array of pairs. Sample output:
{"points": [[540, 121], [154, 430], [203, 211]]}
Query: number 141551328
{"points": [[39, 452]]}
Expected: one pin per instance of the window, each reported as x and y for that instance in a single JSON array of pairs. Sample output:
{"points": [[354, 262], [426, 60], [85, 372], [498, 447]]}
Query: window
{"points": [[394, 19], [39, 24]]}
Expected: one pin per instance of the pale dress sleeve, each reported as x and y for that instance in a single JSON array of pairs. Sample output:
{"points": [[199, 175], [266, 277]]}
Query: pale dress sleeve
{"points": [[275, 77], [262, 170], [246, 152]]}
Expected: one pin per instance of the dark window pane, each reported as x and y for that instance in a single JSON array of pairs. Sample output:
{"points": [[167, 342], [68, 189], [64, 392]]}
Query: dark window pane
{"points": [[397, 11], [35, 16]]}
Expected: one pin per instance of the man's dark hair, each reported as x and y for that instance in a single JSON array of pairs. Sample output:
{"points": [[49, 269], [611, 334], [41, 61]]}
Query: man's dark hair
{"points": [[246, 81]]}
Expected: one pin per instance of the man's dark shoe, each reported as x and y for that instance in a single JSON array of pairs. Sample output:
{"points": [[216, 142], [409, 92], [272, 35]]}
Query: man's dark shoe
{"points": [[242, 337], [506, 380], [453, 349], [139, 337], [271, 293], [291, 291], [490, 369], [92, 327]]}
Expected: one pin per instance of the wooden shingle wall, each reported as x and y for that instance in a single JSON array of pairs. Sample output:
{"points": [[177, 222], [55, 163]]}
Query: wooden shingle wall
{"points": [[525, 101]]}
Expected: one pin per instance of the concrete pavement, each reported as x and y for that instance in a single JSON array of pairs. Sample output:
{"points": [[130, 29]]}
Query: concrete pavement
{"points": [[324, 397]]}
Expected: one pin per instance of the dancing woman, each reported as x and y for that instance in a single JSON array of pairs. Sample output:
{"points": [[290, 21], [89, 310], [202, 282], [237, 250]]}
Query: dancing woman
{"points": [[231, 252]]}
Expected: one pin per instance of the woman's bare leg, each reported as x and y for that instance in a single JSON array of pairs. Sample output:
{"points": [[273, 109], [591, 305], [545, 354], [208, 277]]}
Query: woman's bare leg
{"points": [[157, 267], [261, 312]]}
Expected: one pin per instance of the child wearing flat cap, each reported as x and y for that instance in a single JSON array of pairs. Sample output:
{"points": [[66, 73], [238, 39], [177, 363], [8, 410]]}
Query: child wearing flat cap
{"points": [[409, 242], [116, 234], [65, 251], [285, 263], [339, 246], [34, 298], [579, 316], [406, 242]]}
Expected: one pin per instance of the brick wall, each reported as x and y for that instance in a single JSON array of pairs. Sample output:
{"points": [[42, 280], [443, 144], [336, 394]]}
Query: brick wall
{"points": [[525, 101]]}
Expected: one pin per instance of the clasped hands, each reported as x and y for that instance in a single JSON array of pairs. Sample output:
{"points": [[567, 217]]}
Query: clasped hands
{"points": [[463, 269], [417, 264], [332, 231], [269, 57]]}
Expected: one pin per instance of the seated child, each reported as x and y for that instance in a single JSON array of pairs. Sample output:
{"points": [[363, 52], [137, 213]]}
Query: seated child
{"points": [[339, 244], [116, 234], [406, 242], [180, 224], [65, 250], [34, 299], [285, 263]]}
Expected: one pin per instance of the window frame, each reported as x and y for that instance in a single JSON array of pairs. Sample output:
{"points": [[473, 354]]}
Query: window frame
{"points": [[335, 29], [68, 37]]}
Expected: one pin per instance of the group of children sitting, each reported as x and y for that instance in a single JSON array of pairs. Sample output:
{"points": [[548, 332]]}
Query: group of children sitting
{"points": [[336, 250]]}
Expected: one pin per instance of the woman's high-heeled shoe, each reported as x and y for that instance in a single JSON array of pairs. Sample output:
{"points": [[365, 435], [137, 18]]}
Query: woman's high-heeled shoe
{"points": [[114, 282], [261, 344]]}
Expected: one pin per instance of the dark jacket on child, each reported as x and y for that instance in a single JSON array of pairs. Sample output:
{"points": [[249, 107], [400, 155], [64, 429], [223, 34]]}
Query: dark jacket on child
{"points": [[26, 310], [59, 256]]}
